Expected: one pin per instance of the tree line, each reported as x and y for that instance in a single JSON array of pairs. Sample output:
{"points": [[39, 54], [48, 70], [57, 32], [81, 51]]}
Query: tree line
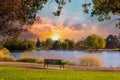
{"points": [[91, 42]]}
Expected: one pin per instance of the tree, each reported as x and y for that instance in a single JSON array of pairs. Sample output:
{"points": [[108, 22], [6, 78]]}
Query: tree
{"points": [[94, 42], [48, 43], [38, 43], [110, 41], [80, 44], [72, 45], [65, 45], [104, 9], [118, 42], [19, 45], [56, 45], [27, 45], [16, 14]]}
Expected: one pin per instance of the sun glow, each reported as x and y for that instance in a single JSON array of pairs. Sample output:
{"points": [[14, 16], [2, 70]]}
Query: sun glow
{"points": [[55, 37]]}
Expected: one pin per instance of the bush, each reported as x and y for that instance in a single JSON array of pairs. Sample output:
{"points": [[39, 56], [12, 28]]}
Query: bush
{"points": [[19, 45], [27, 60], [5, 55], [89, 60], [65, 62], [28, 55]]}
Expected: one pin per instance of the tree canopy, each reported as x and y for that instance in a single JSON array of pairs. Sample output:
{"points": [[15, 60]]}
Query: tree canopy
{"points": [[19, 45], [95, 42], [16, 14]]}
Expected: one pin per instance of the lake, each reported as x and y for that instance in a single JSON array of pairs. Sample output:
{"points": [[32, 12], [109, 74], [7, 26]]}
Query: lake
{"points": [[110, 58]]}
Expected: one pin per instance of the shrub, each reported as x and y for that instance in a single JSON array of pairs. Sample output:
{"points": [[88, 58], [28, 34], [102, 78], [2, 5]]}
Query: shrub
{"points": [[5, 55], [27, 60], [19, 45], [90, 60], [29, 55], [65, 62]]}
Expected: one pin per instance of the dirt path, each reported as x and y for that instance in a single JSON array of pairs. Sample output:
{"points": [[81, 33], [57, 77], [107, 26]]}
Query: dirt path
{"points": [[41, 66]]}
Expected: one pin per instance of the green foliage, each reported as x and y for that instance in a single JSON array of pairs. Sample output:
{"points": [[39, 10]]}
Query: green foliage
{"points": [[27, 45], [103, 9], [94, 42], [48, 43], [22, 12], [64, 45], [13, 73], [80, 45], [72, 45], [28, 55], [27, 60], [66, 62], [19, 45], [56, 45]]}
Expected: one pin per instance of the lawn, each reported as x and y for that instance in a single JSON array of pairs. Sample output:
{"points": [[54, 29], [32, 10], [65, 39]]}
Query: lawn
{"points": [[17, 73]]}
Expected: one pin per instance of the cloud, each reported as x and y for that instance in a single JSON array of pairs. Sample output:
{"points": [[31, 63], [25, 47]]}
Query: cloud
{"points": [[66, 28]]}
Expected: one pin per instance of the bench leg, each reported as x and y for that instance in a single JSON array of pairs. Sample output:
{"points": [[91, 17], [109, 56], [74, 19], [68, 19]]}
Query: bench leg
{"points": [[44, 66], [60, 66], [47, 65]]}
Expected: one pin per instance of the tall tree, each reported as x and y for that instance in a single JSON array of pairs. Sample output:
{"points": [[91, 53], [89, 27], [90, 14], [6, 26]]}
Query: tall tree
{"points": [[16, 14], [94, 42], [38, 43], [65, 45], [48, 43], [72, 44], [56, 45]]}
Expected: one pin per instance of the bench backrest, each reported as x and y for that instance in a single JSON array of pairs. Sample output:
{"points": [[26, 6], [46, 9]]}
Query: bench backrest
{"points": [[53, 61]]}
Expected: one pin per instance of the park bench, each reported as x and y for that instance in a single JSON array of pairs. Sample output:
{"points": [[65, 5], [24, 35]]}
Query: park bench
{"points": [[53, 62]]}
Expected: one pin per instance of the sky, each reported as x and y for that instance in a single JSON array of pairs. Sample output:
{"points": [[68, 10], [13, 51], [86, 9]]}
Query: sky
{"points": [[72, 24]]}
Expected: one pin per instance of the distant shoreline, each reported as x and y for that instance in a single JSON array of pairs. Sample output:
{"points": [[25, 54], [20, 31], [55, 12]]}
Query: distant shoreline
{"points": [[103, 49], [69, 50]]}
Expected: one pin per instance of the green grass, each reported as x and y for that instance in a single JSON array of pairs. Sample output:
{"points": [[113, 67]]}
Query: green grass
{"points": [[17, 73]]}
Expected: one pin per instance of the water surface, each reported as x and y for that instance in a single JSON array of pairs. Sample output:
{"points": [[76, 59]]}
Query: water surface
{"points": [[110, 58]]}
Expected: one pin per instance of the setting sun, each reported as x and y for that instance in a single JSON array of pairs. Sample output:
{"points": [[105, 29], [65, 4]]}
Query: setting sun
{"points": [[55, 37]]}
